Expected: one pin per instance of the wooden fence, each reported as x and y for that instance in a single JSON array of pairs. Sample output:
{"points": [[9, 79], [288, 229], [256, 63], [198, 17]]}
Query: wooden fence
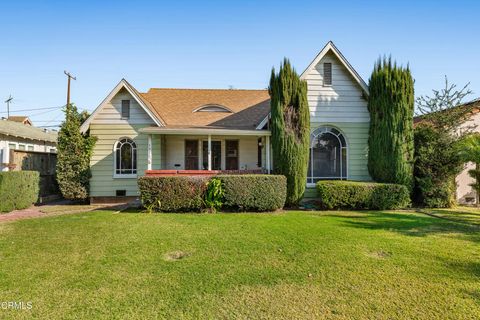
{"points": [[43, 162]]}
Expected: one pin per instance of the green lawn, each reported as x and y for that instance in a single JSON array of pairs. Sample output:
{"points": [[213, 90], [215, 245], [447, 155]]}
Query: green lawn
{"points": [[339, 265]]}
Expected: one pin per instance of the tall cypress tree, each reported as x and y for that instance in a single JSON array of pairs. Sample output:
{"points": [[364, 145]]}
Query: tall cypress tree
{"points": [[290, 128], [391, 107]]}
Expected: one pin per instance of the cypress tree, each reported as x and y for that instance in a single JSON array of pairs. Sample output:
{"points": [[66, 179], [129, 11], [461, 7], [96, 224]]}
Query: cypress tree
{"points": [[391, 107], [73, 158], [290, 126]]}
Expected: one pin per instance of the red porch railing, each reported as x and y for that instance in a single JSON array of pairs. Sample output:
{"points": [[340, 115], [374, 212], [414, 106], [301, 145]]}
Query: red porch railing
{"points": [[164, 173]]}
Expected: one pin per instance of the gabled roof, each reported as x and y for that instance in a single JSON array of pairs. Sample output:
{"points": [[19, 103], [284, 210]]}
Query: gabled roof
{"points": [[135, 94], [473, 106], [179, 107], [19, 130], [20, 119], [331, 47]]}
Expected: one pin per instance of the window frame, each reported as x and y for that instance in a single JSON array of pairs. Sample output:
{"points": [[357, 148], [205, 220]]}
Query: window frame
{"points": [[128, 109], [117, 175], [344, 147], [331, 74]]}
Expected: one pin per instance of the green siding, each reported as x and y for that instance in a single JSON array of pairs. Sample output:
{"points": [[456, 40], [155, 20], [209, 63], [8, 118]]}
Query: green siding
{"points": [[356, 134], [102, 182]]}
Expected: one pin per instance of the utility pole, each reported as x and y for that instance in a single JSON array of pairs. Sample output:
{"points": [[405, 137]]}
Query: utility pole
{"points": [[10, 98], [68, 86]]}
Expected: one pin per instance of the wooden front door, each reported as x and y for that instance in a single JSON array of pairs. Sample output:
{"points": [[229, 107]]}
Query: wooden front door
{"points": [[191, 154]]}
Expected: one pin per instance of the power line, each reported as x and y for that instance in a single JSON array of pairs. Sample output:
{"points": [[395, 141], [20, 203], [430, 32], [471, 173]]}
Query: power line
{"points": [[34, 109]]}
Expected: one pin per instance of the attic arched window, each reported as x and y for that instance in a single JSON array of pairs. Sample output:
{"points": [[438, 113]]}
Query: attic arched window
{"points": [[125, 153], [213, 108]]}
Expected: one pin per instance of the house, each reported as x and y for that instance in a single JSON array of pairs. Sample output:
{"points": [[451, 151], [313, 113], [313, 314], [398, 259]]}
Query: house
{"points": [[203, 131], [18, 133]]}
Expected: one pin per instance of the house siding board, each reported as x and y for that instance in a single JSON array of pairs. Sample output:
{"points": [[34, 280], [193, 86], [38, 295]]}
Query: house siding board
{"points": [[111, 113], [102, 183], [341, 105]]}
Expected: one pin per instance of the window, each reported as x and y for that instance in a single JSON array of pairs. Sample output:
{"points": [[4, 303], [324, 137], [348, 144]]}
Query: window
{"points": [[231, 156], [327, 74], [125, 157], [328, 155], [216, 155], [12, 146], [191, 154], [125, 109], [30, 148], [213, 108], [21, 147]]}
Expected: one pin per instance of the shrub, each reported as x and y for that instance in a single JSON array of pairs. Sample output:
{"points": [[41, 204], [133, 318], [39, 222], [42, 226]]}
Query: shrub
{"points": [[172, 194], [73, 160], [290, 125], [214, 194], [254, 192], [437, 163], [390, 139], [362, 195], [18, 189]]}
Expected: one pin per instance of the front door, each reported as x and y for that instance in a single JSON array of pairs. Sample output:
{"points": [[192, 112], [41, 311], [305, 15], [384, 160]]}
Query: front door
{"points": [[191, 154], [216, 155]]}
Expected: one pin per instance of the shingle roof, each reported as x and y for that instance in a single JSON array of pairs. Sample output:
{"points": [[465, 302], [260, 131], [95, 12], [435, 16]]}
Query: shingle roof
{"points": [[16, 129], [473, 104], [176, 107]]}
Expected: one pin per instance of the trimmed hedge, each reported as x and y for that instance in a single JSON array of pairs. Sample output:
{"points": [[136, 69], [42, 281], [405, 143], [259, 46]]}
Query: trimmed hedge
{"points": [[254, 192], [240, 193], [18, 189], [336, 194], [172, 194]]}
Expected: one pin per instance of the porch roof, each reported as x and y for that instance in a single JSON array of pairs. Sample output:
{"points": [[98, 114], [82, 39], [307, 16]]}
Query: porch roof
{"points": [[169, 130]]}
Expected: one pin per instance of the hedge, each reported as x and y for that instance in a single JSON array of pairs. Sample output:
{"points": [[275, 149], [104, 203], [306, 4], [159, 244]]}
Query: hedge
{"points": [[254, 192], [18, 189], [240, 193], [336, 194], [172, 194]]}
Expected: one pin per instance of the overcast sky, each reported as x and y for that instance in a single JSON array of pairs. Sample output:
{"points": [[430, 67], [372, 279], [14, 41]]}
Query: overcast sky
{"points": [[217, 44]]}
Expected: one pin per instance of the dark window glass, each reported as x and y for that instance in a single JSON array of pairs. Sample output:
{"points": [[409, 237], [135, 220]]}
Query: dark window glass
{"points": [[125, 157], [231, 157], [259, 152], [125, 109], [327, 74], [191, 155], [216, 155]]}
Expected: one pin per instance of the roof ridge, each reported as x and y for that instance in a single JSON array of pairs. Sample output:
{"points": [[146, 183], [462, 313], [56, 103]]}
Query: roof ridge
{"points": [[205, 89]]}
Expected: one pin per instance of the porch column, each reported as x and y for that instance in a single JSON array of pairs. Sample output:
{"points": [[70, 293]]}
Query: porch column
{"points": [[149, 152], [209, 152], [267, 152]]}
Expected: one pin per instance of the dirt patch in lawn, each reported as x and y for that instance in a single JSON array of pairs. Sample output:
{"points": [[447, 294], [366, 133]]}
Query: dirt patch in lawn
{"points": [[175, 255], [380, 254]]}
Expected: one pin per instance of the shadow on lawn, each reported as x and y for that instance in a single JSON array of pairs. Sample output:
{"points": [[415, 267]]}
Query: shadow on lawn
{"points": [[411, 224]]}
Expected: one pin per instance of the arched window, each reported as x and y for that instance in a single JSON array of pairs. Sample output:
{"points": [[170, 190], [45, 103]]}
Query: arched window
{"points": [[328, 155], [125, 157], [212, 108]]}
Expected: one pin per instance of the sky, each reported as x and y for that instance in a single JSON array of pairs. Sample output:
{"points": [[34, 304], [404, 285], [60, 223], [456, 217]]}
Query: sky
{"points": [[218, 44]]}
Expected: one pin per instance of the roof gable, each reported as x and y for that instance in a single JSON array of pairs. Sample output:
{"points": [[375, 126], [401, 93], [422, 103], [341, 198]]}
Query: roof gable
{"points": [[146, 105], [330, 47]]}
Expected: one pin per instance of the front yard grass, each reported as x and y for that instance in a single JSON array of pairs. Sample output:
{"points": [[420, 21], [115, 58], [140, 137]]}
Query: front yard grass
{"points": [[290, 265]]}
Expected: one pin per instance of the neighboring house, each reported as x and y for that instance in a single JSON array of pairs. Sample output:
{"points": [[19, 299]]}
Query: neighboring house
{"points": [[465, 193], [174, 130], [21, 119], [19, 134]]}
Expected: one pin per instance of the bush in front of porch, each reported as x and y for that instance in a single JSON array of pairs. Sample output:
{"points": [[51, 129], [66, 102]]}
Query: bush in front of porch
{"points": [[252, 192]]}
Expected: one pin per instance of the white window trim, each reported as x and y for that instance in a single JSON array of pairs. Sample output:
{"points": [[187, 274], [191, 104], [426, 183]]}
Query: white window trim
{"points": [[326, 129], [125, 175]]}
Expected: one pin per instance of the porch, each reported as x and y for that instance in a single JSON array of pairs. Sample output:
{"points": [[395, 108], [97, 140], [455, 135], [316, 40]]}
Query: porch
{"points": [[206, 151]]}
